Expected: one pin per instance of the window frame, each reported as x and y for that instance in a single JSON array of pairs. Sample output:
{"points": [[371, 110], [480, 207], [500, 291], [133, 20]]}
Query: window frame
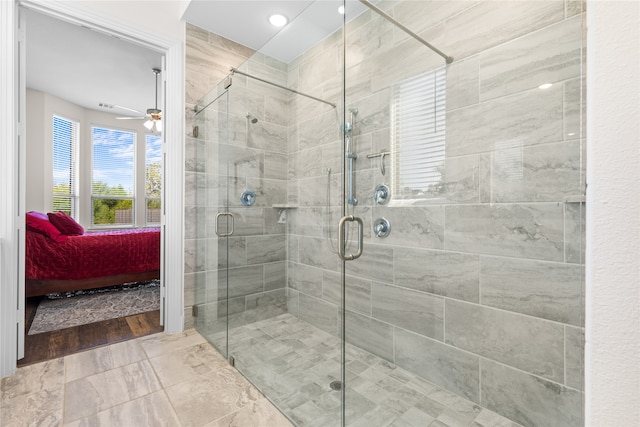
{"points": [[74, 166], [431, 142], [93, 197]]}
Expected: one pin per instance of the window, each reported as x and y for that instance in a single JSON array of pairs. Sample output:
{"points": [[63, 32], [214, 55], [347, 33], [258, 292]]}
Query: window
{"points": [[418, 136], [153, 178], [113, 172], [65, 149]]}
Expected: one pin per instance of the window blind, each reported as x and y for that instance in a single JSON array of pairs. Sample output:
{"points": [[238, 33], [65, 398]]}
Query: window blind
{"points": [[65, 143], [418, 116]]}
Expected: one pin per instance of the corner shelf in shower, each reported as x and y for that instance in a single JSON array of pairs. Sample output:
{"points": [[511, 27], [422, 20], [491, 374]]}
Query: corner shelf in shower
{"points": [[284, 206]]}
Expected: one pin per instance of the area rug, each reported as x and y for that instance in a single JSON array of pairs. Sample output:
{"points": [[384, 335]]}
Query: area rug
{"points": [[80, 308]]}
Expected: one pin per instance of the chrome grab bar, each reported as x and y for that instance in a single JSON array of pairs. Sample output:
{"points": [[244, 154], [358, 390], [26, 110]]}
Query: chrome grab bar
{"points": [[341, 238], [216, 226]]}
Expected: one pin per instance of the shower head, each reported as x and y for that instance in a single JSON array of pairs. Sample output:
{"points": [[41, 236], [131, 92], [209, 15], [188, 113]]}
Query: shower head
{"points": [[253, 119]]}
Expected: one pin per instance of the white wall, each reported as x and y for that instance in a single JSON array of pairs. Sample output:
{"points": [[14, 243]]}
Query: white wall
{"points": [[40, 109], [158, 16], [612, 364]]}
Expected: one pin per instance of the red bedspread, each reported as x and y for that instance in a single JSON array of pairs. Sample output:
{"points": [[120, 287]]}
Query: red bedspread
{"points": [[94, 254]]}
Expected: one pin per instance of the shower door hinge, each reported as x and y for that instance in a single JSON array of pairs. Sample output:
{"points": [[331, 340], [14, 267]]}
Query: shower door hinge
{"points": [[194, 310]]}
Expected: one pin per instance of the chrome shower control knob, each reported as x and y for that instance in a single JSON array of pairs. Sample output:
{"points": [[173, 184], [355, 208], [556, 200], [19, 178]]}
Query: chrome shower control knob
{"points": [[381, 194], [381, 227], [248, 198]]}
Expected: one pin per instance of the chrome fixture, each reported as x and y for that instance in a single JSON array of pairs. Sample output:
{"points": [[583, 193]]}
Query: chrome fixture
{"points": [[228, 233], [381, 227], [381, 194], [351, 155], [248, 198], [448, 59], [236, 71], [342, 243], [251, 118], [381, 155]]}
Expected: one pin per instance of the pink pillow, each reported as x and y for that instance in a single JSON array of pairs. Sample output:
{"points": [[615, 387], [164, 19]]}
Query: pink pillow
{"points": [[67, 225], [39, 223]]}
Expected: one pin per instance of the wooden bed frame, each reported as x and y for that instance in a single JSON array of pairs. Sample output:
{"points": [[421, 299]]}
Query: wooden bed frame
{"points": [[38, 287]]}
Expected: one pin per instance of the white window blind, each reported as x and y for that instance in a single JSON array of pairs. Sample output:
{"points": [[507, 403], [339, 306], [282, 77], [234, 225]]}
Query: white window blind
{"points": [[113, 176], [65, 145], [418, 117], [153, 178]]}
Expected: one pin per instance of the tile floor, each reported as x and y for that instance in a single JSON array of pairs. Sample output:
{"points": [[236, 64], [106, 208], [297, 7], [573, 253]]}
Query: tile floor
{"points": [[294, 363], [181, 380], [157, 380]]}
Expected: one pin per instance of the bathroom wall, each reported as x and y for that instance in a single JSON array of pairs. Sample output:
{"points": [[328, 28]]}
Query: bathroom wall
{"points": [[229, 155], [479, 287]]}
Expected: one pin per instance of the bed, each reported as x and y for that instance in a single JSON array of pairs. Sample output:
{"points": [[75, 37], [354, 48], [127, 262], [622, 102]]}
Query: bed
{"points": [[93, 259]]}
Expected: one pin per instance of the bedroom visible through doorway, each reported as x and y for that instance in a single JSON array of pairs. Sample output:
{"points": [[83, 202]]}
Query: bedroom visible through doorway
{"points": [[86, 79]]}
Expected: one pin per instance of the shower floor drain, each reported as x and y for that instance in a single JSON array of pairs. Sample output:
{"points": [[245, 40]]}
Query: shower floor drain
{"points": [[336, 385]]}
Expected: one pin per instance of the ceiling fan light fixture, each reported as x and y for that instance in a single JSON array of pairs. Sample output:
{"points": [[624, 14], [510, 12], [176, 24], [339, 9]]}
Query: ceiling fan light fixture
{"points": [[148, 124], [159, 126]]}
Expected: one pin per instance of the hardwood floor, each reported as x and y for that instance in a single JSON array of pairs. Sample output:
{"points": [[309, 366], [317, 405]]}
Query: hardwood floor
{"points": [[54, 344]]}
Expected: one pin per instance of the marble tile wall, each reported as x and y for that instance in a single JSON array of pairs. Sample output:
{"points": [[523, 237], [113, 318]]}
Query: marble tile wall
{"points": [[480, 288], [228, 155]]}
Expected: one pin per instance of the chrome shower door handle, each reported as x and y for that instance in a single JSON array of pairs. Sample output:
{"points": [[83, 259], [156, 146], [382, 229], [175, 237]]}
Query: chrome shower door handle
{"points": [[341, 238], [229, 233]]}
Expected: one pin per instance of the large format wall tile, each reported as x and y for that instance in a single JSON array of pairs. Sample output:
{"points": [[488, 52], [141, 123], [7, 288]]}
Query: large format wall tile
{"points": [[548, 56], [358, 292], [307, 280], [243, 280], [265, 249], [527, 343], [412, 310], [317, 252], [463, 83], [527, 399], [410, 226], [448, 274], [375, 263], [369, 334], [527, 118], [443, 365], [319, 313], [574, 354], [574, 225], [490, 23], [541, 173], [514, 230], [543, 289]]}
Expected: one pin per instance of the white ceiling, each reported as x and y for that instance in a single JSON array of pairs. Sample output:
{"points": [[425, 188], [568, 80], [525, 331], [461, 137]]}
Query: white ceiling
{"points": [[87, 67], [247, 22]]}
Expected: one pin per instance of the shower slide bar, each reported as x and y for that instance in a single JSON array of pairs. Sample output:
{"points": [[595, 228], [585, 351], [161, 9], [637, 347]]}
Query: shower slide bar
{"points": [[448, 59], [236, 71]]}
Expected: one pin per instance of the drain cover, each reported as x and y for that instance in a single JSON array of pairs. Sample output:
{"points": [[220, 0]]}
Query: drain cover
{"points": [[336, 385]]}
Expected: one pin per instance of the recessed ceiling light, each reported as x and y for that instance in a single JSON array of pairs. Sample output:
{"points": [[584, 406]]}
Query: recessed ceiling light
{"points": [[545, 86], [278, 20], [341, 10]]}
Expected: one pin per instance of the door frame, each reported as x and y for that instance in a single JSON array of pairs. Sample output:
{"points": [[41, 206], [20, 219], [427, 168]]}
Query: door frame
{"points": [[12, 188]]}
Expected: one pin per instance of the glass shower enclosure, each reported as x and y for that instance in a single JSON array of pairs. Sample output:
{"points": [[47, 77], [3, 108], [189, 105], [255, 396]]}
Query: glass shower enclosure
{"points": [[390, 217]]}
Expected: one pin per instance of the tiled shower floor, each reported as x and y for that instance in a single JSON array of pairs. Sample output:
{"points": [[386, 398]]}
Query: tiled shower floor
{"points": [[293, 363]]}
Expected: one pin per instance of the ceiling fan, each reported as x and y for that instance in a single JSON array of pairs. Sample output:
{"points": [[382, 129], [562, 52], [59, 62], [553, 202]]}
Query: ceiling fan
{"points": [[153, 116]]}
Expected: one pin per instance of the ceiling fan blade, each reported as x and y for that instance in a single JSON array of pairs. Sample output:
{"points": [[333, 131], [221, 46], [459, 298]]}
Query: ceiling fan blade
{"points": [[131, 118], [128, 109]]}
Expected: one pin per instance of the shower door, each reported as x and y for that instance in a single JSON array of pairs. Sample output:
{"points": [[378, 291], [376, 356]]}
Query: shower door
{"points": [[210, 221]]}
